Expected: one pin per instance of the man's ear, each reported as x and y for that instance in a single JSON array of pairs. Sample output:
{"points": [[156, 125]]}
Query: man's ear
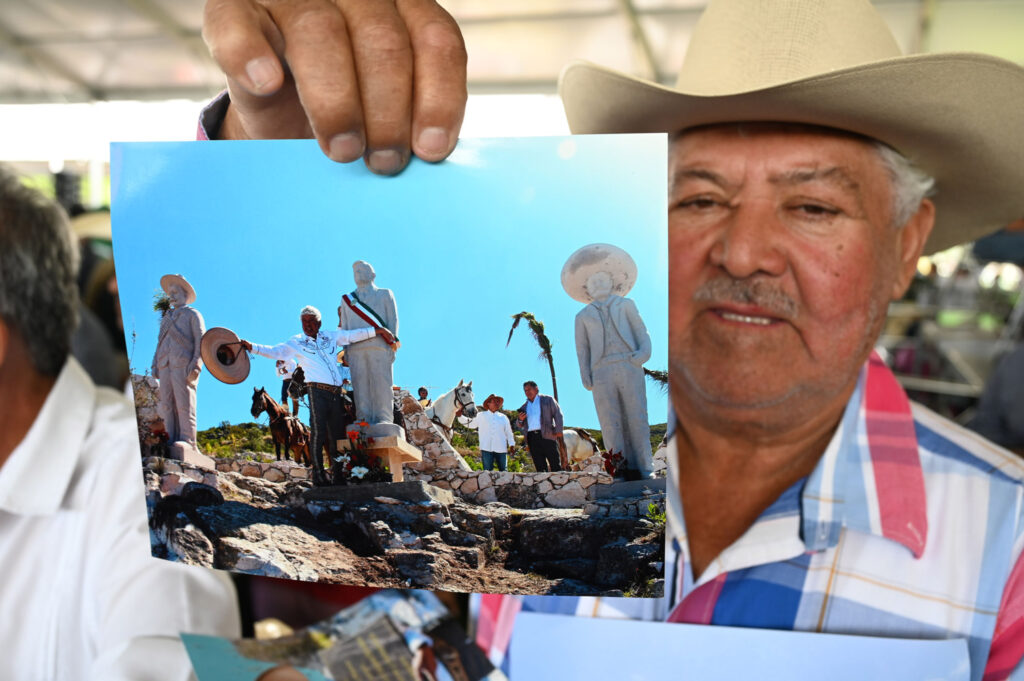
{"points": [[912, 238]]}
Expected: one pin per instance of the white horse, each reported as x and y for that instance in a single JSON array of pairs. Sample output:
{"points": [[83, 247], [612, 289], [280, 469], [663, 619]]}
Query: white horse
{"points": [[579, 445], [443, 409]]}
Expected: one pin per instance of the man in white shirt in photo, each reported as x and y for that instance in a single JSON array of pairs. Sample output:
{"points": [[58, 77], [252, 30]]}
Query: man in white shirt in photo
{"points": [[496, 438], [316, 352]]}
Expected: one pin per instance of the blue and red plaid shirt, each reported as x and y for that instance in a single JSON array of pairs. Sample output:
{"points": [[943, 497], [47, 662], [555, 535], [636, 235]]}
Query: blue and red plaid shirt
{"points": [[909, 526]]}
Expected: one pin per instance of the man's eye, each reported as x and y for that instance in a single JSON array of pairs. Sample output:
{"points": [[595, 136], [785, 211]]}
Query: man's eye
{"points": [[698, 203], [816, 210]]}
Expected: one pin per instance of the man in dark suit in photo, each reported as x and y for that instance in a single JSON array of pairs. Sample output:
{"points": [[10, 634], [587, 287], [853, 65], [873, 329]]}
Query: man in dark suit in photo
{"points": [[540, 418]]}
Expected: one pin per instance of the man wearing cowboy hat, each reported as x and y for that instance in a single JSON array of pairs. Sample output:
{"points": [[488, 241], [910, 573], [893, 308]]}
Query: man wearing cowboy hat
{"points": [[612, 345], [803, 154], [495, 431], [316, 352], [177, 360]]}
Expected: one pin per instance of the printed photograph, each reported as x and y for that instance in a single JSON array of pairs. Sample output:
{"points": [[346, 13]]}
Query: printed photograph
{"points": [[452, 379]]}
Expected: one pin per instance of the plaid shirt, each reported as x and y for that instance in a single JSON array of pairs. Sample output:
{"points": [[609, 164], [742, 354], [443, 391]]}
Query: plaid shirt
{"points": [[909, 527]]}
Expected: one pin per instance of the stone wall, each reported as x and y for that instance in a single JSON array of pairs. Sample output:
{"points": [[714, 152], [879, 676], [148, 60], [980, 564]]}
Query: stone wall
{"points": [[520, 490]]}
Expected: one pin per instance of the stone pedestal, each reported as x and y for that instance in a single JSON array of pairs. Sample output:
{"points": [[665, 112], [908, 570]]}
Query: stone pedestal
{"points": [[394, 448], [184, 451]]}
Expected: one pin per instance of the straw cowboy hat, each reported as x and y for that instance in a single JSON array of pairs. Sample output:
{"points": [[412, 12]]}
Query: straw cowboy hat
{"points": [[834, 63], [168, 279], [594, 258], [224, 355]]}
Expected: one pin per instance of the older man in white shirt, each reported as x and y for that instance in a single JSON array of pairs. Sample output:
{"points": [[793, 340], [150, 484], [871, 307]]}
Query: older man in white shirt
{"points": [[82, 596], [316, 351], [496, 438]]}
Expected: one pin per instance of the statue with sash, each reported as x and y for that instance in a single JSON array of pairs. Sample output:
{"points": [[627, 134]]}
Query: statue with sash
{"points": [[177, 360], [371, 360]]}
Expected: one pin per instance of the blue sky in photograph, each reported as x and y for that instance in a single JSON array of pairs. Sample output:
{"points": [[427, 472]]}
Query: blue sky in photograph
{"points": [[261, 229]]}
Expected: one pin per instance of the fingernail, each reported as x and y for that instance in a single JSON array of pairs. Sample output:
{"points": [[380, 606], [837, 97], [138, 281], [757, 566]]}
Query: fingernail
{"points": [[346, 147], [386, 161], [261, 71], [433, 142]]}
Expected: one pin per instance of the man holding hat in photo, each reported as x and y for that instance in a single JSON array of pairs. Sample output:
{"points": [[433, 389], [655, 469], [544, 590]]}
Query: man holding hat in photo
{"points": [[810, 165], [316, 351]]}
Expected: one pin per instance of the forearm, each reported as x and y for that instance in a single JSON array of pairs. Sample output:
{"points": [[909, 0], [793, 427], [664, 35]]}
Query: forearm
{"points": [[282, 351]]}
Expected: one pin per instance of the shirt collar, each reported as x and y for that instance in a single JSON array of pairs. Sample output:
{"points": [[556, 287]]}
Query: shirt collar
{"points": [[870, 477], [34, 479]]}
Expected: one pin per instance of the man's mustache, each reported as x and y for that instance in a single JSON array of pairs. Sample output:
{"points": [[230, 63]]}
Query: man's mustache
{"points": [[748, 292]]}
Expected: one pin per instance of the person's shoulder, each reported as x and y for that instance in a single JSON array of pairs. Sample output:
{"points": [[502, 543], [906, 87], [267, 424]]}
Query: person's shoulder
{"points": [[110, 449], [949, 447]]}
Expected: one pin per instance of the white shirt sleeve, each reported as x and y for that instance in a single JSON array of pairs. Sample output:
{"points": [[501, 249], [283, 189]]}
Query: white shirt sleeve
{"points": [[343, 337], [509, 436], [279, 351]]}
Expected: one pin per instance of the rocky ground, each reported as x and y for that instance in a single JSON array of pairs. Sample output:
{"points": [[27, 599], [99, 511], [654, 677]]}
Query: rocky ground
{"points": [[398, 535]]}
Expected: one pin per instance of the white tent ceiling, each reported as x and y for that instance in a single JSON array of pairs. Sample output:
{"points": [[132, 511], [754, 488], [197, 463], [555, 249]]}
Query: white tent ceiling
{"points": [[87, 50]]}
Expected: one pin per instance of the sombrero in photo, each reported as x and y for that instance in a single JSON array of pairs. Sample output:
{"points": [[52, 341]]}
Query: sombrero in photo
{"points": [[834, 63], [594, 258], [168, 279], [224, 355]]}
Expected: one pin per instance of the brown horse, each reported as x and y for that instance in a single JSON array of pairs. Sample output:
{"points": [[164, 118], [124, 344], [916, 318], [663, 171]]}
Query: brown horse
{"points": [[287, 431]]}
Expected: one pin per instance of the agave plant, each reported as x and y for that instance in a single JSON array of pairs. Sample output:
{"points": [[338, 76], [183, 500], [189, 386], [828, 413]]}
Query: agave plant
{"points": [[537, 329], [161, 303]]}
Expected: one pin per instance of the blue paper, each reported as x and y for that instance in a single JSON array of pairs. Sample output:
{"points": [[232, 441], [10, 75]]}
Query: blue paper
{"points": [[583, 648]]}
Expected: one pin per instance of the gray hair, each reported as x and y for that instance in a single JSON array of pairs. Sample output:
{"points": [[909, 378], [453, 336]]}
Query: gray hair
{"points": [[38, 265], [310, 311], [910, 184]]}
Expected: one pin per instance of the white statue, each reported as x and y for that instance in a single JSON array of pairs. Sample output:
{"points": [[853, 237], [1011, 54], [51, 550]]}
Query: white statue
{"points": [[176, 362], [371, 360], [612, 345]]}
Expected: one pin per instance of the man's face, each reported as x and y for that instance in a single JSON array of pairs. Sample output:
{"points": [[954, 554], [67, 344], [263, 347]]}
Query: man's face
{"points": [[310, 325], [492, 406], [599, 285], [423, 394], [531, 392], [362, 273], [782, 262], [176, 294]]}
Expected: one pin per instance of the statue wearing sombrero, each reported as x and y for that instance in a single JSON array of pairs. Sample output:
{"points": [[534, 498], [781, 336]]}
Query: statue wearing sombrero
{"points": [[612, 345], [176, 362]]}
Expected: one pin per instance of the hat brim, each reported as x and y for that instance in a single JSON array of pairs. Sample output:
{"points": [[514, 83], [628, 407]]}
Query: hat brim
{"points": [[168, 279], [224, 356], [957, 116], [594, 258]]}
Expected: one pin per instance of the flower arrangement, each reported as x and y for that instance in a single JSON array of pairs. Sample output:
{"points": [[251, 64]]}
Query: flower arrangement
{"points": [[360, 464], [614, 462]]}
